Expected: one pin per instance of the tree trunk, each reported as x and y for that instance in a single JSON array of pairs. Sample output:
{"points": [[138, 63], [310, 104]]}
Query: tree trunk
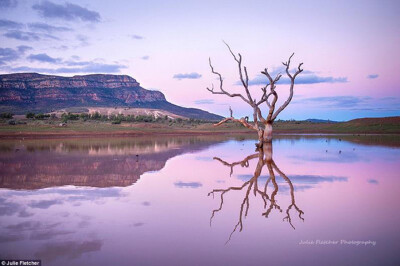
{"points": [[264, 135], [267, 151], [260, 138], [267, 137]]}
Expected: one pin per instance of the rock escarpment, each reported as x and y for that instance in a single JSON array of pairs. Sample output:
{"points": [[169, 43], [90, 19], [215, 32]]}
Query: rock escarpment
{"points": [[23, 92]]}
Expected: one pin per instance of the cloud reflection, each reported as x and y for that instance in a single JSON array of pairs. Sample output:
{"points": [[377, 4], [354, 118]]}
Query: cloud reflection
{"points": [[181, 184], [68, 250]]}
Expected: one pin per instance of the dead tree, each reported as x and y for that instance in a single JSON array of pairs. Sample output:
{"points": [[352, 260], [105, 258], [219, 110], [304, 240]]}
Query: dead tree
{"points": [[263, 125]]}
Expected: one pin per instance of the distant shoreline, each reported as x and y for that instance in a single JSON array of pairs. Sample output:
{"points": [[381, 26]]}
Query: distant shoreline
{"points": [[34, 128], [137, 133], [89, 134]]}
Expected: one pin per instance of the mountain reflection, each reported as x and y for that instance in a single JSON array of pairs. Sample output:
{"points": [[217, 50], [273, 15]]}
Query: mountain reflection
{"points": [[253, 185], [95, 163]]}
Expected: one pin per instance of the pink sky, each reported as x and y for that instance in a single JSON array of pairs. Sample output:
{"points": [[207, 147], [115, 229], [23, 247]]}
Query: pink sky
{"points": [[352, 43]]}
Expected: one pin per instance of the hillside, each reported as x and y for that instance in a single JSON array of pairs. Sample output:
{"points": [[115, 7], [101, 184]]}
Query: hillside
{"points": [[32, 92], [381, 125], [313, 120]]}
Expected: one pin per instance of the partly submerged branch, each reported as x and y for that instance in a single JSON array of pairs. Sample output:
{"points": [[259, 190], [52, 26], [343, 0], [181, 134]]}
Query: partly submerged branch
{"points": [[244, 121]]}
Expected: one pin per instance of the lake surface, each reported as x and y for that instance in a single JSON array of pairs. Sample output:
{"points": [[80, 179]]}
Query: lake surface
{"points": [[318, 200]]}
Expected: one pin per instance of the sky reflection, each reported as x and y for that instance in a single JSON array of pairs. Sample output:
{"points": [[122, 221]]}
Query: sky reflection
{"points": [[50, 216]]}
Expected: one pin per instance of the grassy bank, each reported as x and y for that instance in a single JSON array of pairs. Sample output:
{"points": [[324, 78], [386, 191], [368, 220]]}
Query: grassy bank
{"points": [[386, 125], [55, 127]]}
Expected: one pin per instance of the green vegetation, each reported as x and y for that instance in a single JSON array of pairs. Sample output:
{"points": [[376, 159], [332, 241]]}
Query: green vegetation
{"points": [[37, 116], [69, 116], [390, 125], [30, 115], [84, 123], [118, 119], [42, 116], [6, 115]]}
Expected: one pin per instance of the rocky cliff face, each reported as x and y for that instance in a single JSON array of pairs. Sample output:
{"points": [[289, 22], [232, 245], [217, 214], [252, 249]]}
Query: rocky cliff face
{"points": [[31, 88], [37, 81], [23, 92]]}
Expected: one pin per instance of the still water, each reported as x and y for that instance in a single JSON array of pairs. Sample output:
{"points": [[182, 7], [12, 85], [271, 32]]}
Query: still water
{"points": [[306, 200]]}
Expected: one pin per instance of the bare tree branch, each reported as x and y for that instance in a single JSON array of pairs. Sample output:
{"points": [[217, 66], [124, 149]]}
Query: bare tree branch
{"points": [[292, 79], [223, 191], [242, 121], [245, 81], [222, 91], [240, 222], [293, 204], [287, 64], [273, 203], [242, 163], [273, 92], [264, 97], [260, 115]]}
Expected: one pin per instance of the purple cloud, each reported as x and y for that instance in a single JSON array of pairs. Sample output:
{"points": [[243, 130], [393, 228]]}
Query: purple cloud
{"points": [[47, 27], [372, 76], [192, 75], [300, 79], [9, 24], [44, 58], [8, 3], [67, 11], [137, 37]]}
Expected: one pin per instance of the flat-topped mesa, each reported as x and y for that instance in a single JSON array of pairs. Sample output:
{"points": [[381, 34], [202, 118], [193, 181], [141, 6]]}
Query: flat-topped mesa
{"points": [[96, 88], [37, 81], [32, 92]]}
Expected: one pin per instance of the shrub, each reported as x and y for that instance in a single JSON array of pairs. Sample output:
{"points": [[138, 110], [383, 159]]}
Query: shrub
{"points": [[84, 116], [65, 117], [41, 116], [130, 118], [144, 118], [96, 116], [30, 115], [6, 115]]}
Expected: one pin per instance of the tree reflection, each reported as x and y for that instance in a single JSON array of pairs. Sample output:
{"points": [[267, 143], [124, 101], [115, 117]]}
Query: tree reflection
{"points": [[264, 157]]}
